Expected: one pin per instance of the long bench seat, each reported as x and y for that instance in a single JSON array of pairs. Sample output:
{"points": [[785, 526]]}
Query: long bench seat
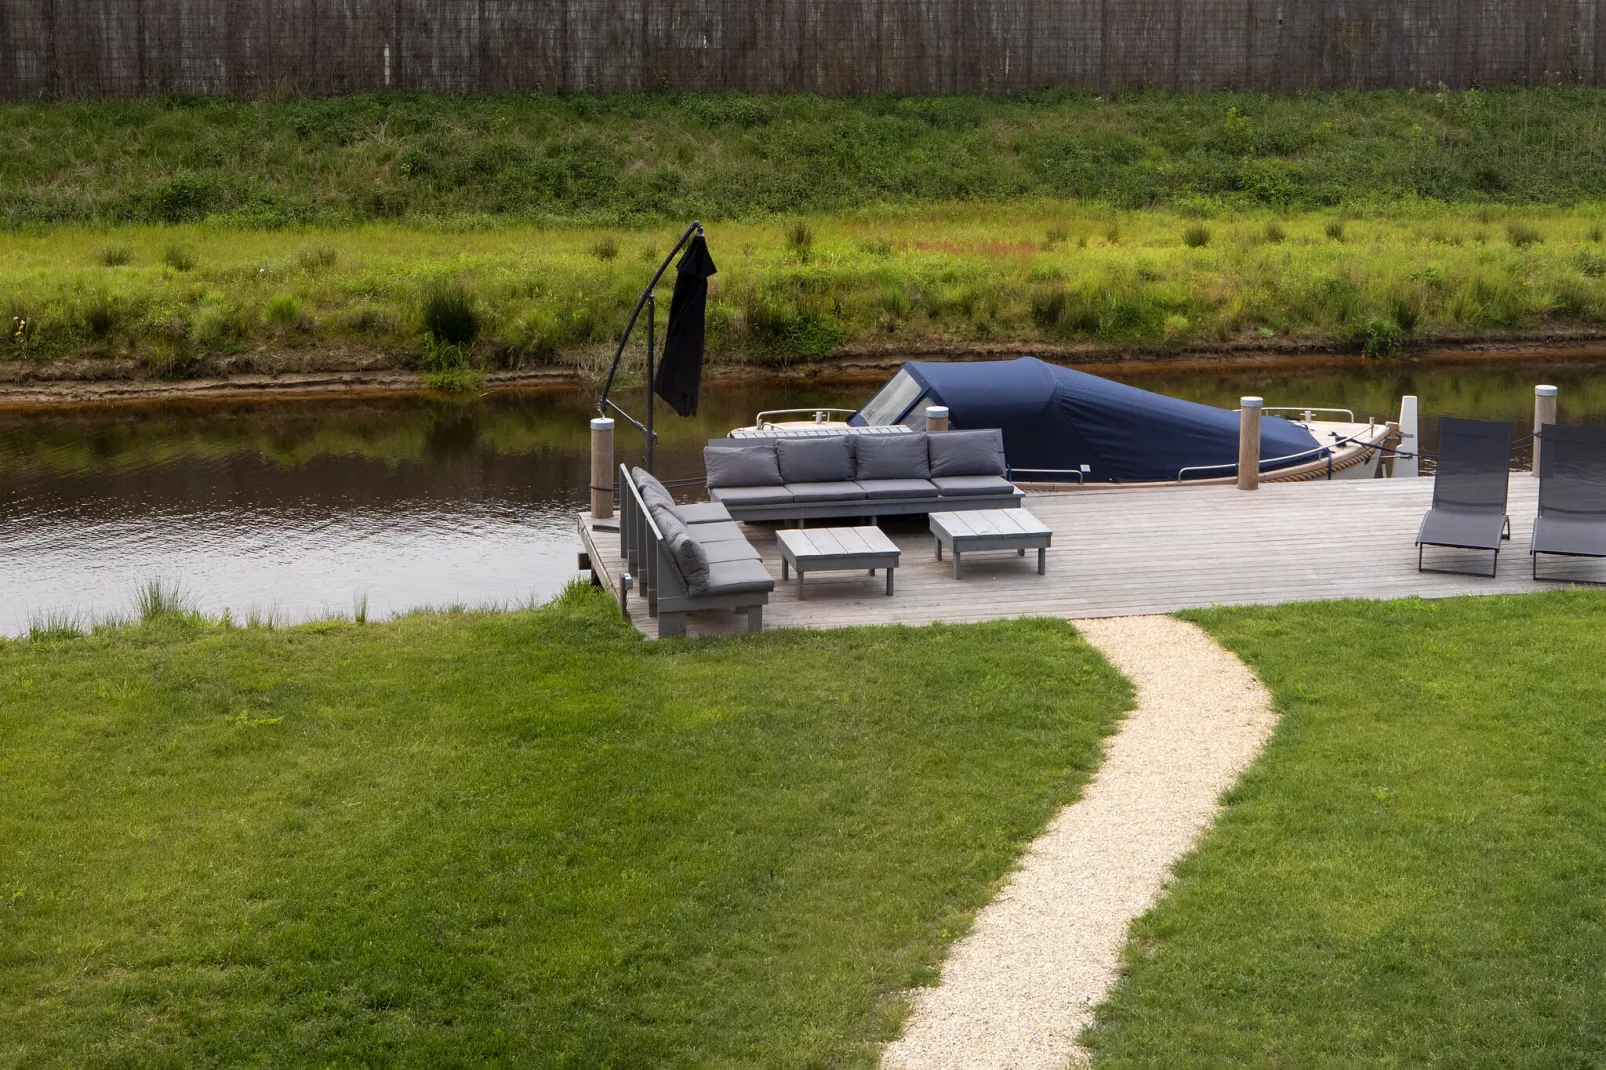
{"points": [[851, 475]]}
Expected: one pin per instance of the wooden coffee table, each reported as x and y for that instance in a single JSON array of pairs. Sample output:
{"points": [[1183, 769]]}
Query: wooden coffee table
{"points": [[835, 550], [992, 529]]}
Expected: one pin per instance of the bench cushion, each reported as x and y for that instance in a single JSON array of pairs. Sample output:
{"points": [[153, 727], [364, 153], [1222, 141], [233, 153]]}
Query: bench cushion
{"points": [[739, 496], [966, 453], [717, 531], [687, 552], [965, 486], [736, 550], [897, 488], [742, 466], [702, 512], [846, 491], [734, 577], [652, 492], [826, 459], [890, 457]]}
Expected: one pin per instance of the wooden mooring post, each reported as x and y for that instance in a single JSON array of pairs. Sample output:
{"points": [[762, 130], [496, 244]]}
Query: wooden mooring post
{"points": [[1544, 413], [1249, 443], [937, 418], [602, 468]]}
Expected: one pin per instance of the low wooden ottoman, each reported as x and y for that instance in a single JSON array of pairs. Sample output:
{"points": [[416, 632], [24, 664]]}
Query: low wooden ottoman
{"points": [[992, 529], [835, 550]]}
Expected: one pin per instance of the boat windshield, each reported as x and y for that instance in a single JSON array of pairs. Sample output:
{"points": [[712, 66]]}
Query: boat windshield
{"points": [[891, 401]]}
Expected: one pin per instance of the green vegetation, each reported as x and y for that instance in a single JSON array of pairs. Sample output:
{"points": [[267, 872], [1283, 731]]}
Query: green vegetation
{"points": [[1413, 874], [1054, 274], [669, 157], [531, 838]]}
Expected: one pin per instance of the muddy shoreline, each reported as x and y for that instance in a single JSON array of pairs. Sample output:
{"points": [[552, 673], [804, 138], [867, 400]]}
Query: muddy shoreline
{"points": [[82, 380]]}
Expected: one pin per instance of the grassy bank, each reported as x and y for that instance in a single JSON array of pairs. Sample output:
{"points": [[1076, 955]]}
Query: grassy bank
{"points": [[532, 838], [1056, 274], [644, 158], [1413, 873]]}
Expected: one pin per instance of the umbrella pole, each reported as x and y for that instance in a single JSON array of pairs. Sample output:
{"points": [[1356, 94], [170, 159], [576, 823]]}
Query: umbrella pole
{"points": [[652, 304]]}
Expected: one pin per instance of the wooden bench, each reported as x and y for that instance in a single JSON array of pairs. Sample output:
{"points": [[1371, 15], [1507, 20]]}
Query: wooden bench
{"points": [[835, 550], [992, 529]]}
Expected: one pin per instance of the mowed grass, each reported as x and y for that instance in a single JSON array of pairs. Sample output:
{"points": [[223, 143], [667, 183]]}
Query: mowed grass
{"points": [[1414, 873], [530, 838], [1061, 274]]}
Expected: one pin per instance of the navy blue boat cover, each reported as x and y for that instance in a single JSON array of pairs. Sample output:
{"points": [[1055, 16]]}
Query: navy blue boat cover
{"points": [[1057, 418]]}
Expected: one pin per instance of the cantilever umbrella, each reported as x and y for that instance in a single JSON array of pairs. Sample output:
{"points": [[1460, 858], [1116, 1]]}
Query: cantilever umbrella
{"points": [[680, 375]]}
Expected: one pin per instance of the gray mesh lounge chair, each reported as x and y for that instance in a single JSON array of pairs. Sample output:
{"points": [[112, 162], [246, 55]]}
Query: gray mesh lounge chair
{"points": [[1469, 491], [1572, 493]]}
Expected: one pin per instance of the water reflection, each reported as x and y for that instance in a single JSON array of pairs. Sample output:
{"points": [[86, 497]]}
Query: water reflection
{"points": [[300, 508]]}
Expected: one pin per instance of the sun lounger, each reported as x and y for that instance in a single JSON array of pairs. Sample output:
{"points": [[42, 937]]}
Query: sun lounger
{"points": [[1469, 491], [1572, 493]]}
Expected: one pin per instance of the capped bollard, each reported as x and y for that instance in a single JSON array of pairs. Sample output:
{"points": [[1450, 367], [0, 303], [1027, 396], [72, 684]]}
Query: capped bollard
{"points": [[1544, 413], [1249, 442], [602, 468], [936, 417]]}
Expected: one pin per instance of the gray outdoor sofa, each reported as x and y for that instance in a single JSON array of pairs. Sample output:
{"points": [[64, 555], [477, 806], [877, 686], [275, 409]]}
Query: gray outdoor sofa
{"points": [[851, 475], [687, 557]]}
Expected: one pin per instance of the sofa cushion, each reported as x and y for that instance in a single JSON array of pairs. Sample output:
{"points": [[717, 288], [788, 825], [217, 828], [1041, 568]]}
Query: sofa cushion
{"points": [[687, 552], [702, 512], [969, 486], [966, 453], [738, 550], [897, 488], [735, 577], [719, 531], [652, 491], [740, 496], [840, 491], [890, 457], [742, 466], [822, 459]]}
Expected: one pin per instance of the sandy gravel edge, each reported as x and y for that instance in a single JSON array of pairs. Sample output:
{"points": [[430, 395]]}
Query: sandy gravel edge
{"points": [[1020, 988]]}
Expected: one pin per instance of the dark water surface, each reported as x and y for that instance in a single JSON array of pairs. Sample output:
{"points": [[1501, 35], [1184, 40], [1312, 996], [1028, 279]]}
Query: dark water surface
{"points": [[302, 508]]}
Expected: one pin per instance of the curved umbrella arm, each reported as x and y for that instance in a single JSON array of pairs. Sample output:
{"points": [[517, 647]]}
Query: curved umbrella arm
{"points": [[603, 404]]}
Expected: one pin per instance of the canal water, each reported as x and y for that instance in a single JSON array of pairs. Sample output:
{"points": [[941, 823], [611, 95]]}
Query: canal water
{"points": [[300, 509]]}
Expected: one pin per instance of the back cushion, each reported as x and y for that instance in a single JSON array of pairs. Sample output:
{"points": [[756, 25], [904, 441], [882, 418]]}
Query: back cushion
{"points": [[966, 453], [891, 456], [827, 459], [688, 555], [653, 492], [742, 466]]}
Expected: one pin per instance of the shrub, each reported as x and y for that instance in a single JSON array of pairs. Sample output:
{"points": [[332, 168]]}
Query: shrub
{"points": [[1336, 229], [1196, 236], [1406, 309], [1521, 234], [1382, 337], [605, 249], [1274, 232], [317, 258], [115, 255], [448, 367], [450, 317], [100, 317], [179, 258], [283, 309], [219, 327], [800, 237]]}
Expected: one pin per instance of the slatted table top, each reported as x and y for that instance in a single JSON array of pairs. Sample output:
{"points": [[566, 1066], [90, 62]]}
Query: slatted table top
{"points": [[990, 524], [815, 545]]}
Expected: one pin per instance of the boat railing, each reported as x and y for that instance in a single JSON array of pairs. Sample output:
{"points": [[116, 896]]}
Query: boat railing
{"points": [[765, 418], [1231, 467], [1306, 409], [1079, 473]]}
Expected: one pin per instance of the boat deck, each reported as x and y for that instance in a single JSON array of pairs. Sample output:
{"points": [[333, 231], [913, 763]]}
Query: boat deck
{"points": [[1126, 552]]}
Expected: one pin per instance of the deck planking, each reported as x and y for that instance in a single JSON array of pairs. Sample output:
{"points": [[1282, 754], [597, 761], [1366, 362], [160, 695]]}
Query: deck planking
{"points": [[1156, 550]]}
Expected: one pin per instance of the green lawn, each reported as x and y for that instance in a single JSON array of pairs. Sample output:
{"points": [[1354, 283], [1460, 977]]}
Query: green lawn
{"points": [[1414, 874], [529, 838]]}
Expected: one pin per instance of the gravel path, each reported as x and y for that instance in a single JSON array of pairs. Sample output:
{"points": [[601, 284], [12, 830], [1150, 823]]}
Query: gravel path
{"points": [[1018, 990]]}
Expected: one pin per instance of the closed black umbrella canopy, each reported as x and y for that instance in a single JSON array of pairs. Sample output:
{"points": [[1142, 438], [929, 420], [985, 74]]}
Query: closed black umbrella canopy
{"points": [[679, 380]]}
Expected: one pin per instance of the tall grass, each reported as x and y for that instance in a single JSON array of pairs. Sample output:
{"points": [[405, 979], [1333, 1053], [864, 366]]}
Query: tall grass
{"points": [[159, 599]]}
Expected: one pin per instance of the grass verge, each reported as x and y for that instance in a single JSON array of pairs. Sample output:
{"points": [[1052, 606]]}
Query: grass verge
{"points": [[532, 837], [1056, 274], [1413, 874]]}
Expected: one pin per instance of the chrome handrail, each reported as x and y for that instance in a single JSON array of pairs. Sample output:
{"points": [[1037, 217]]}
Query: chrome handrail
{"points": [[1305, 408], [1275, 460], [763, 417]]}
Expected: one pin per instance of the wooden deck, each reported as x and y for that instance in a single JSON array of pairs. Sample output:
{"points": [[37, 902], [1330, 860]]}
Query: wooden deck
{"points": [[1126, 552]]}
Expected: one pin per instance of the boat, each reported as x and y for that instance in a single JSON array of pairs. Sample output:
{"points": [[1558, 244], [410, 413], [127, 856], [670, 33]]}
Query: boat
{"points": [[1065, 429]]}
